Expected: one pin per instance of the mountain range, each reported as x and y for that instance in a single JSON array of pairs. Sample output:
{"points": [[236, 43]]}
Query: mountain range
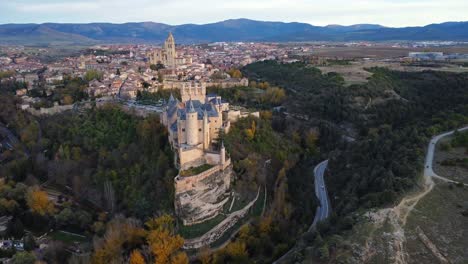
{"points": [[229, 30]]}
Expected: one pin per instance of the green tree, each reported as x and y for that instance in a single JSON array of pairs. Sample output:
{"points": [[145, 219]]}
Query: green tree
{"points": [[93, 74], [23, 258]]}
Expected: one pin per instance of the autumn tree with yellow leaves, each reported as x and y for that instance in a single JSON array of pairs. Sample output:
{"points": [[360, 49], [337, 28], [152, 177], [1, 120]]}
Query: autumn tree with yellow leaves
{"points": [[120, 231], [136, 257], [235, 73], [38, 201], [250, 132], [164, 245]]}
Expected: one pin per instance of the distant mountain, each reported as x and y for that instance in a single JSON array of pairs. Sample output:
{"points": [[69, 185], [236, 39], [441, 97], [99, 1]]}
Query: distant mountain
{"points": [[354, 27], [229, 30]]}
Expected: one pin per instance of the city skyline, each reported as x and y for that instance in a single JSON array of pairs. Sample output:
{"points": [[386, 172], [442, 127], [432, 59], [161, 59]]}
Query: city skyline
{"points": [[391, 13]]}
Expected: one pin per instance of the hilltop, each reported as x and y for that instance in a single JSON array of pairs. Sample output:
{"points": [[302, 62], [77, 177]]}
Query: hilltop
{"points": [[229, 30]]}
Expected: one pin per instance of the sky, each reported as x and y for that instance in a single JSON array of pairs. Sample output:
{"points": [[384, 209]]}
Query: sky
{"points": [[392, 13]]}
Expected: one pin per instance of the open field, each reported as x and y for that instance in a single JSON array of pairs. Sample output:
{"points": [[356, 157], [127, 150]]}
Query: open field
{"points": [[439, 217], [380, 52], [355, 73], [436, 229], [455, 173]]}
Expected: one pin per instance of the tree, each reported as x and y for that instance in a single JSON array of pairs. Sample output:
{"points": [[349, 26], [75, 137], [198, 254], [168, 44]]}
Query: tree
{"points": [[311, 141], [204, 256], [120, 232], [265, 225], [164, 222], [29, 242], [23, 258], [163, 244], [67, 100], [160, 77], [92, 75], [136, 257], [323, 251], [38, 201], [235, 73], [250, 132], [237, 251]]}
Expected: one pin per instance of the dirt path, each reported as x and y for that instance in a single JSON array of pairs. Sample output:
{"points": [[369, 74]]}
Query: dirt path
{"points": [[407, 204], [397, 216], [448, 180]]}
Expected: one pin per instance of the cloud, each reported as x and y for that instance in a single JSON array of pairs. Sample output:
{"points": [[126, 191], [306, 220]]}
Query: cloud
{"points": [[57, 7]]}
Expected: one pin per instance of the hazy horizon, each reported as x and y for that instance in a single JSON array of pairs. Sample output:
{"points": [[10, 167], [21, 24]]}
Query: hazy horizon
{"points": [[389, 13]]}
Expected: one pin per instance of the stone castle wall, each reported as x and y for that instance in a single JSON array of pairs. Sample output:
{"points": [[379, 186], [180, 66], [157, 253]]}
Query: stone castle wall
{"points": [[201, 197], [218, 231], [193, 157], [184, 184]]}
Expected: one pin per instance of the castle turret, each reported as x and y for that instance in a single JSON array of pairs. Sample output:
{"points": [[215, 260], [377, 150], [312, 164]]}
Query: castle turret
{"points": [[206, 131], [222, 153], [191, 125]]}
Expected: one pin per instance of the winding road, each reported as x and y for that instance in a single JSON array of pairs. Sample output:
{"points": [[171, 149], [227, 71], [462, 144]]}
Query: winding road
{"points": [[323, 210], [9, 139], [428, 169]]}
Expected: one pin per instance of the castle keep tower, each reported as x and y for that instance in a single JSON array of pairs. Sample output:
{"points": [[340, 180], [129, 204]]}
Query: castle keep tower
{"points": [[191, 125]]}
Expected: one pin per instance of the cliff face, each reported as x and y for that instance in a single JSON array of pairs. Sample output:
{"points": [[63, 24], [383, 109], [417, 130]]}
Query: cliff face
{"points": [[201, 197]]}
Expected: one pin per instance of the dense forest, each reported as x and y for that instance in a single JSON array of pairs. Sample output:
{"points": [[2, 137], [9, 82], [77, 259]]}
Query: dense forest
{"points": [[109, 171], [386, 124], [265, 156]]}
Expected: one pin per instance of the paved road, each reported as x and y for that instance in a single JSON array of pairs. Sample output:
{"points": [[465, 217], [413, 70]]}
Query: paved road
{"points": [[9, 139], [428, 170], [323, 210]]}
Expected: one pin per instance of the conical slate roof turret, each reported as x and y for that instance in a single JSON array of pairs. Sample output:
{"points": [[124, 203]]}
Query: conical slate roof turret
{"points": [[191, 109]]}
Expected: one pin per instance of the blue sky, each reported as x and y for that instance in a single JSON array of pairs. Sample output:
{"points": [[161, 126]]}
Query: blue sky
{"points": [[317, 12]]}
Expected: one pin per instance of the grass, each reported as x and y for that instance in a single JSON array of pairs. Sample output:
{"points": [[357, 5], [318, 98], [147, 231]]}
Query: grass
{"points": [[67, 237], [239, 204], [197, 170], [439, 216], [255, 211], [197, 230]]}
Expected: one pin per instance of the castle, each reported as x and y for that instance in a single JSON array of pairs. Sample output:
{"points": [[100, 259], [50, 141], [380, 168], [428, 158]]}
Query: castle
{"points": [[194, 125], [205, 170], [168, 55]]}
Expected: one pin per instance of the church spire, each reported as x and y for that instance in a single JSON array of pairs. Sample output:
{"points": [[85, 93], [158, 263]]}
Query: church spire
{"points": [[170, 37]]}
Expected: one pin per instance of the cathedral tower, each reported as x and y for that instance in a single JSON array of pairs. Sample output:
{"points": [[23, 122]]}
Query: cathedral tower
{"points": [[169, 47]]}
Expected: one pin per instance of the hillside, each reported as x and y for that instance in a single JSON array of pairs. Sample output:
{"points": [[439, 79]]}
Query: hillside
{"points": [[229, 30]]}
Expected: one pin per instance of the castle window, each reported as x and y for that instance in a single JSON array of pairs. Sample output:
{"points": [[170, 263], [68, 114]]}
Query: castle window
{"points": [[199, 129], [183, 129]]}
